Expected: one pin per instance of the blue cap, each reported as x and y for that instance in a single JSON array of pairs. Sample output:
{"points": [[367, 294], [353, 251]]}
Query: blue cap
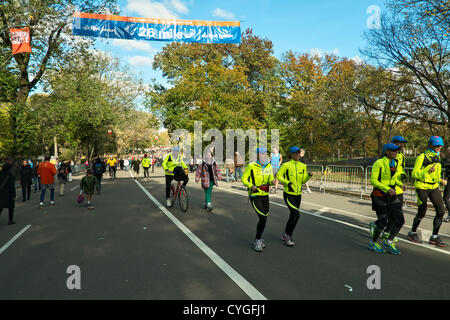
{"points": [[390, 147], [399, 139], [436, 141], [176, 149], [294, 149], [261, 150]]}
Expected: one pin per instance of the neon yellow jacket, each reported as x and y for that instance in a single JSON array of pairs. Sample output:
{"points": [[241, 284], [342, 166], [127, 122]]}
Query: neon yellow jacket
{"points": [[260, 177], [293, 172], [421, 171], [170, 163], [381, 177], [401, 172], [146, 162]]}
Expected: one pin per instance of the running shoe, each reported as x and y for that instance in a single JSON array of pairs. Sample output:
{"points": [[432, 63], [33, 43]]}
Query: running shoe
{"points": [[412, 236], [375, 247], [41, 204], [308, 190], [437, 242], [390, 247], [258, 245], [263, 243], [287, 239], [168, 203], [209, 207], [385, 236], [447, 219], [52, 203]]}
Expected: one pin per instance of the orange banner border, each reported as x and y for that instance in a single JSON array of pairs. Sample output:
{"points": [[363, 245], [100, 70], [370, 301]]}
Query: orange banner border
{"points": [[157, 21]]}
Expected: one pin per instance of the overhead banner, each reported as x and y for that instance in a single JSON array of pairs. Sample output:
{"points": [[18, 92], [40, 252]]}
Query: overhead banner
{"points": [[20, 40], [117, 27]]}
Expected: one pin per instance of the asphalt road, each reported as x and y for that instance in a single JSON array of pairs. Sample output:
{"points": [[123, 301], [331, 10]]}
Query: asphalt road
{"points": [[130, 247]]}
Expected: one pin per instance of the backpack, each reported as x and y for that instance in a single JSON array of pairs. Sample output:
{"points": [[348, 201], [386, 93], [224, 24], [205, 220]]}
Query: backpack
{"points": [[98, 169]]}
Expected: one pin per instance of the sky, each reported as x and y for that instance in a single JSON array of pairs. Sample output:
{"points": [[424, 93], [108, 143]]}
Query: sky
{"points": [[303, 26]]}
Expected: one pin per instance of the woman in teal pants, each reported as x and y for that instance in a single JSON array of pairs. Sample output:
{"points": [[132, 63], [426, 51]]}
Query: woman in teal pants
{"points": [[208, 173]]}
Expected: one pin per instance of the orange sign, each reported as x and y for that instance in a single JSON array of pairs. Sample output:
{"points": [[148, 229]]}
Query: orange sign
{"points": [[20, 39]]}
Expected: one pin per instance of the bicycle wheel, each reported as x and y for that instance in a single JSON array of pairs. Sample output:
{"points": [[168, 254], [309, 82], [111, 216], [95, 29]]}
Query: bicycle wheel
{"points": [[183, 199]]}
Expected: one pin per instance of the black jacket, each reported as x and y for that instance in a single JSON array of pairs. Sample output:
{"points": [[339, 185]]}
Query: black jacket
{"points": [[26, 175], [7, 190]]}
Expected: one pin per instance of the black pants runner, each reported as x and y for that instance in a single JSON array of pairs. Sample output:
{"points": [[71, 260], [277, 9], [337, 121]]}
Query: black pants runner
{"points": [[261, 206], [390, 214], [26, 191], [146, 173], [293, 203], [438, 203], [10, 213]]}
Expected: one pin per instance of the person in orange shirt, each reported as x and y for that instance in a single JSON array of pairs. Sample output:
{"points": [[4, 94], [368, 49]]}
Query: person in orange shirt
{"points": [[47, 172]]}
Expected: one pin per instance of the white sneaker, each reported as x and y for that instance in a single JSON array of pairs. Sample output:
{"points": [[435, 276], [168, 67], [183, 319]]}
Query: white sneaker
{"points": [[41, 204], [258, 245], [168, 203], [309, 190], [52, 203]]}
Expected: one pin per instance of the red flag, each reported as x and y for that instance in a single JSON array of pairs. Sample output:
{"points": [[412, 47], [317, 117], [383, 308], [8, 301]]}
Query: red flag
{"points": [[20, 39]]}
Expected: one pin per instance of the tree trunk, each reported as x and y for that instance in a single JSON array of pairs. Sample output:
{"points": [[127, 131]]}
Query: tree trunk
{"points": [[55, 143]]}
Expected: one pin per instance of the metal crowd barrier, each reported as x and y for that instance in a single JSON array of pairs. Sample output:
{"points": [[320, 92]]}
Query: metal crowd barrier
{"points": [[344, 178]]}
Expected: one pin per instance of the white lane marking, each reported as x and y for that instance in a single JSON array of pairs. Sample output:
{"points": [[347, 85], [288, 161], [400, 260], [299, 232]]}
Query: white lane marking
{"points": [[74, 188], [250, 290], [423, 245], [10, 242]]}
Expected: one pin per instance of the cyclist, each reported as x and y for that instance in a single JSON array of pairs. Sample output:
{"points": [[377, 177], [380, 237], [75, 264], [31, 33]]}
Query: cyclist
{"points": [[293, 175], [400, 186], [172, 161], [258, 177], [146, 165], [427, 172], [385, 202], [112, 163]]}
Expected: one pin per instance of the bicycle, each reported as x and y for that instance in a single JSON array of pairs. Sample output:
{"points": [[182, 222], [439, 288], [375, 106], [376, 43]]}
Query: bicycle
{"points": [[180, 193]]}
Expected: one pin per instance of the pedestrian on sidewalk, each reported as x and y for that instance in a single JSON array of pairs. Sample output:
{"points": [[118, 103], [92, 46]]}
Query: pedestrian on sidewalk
{"points": [[62, 179], [136, 163], [98, 168], [7, 191], [275, 160], [238, 164], [427, 172], [385, 202], [47, 172], [36, 177], [208, 173], [258, 177], [87, 185], [69, 171], [293, 175], [229, 170], [26, 180]]}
